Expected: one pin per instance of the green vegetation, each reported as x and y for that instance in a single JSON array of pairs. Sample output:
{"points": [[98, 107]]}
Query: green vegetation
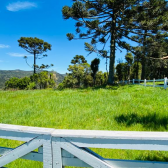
{"points": [[130, 70], [130, 108], [7, 74], [94, 67], [42, 80], [81, 74], [111, 22], [36, 47]]}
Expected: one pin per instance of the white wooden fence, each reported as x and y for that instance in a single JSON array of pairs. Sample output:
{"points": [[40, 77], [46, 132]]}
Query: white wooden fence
{"points": [[59, 148], [145, 82]]}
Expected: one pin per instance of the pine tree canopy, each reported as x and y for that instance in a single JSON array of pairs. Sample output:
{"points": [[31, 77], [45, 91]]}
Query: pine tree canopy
{"points": [[78, 59], [32, 45], [36, 47], [111, 22]]}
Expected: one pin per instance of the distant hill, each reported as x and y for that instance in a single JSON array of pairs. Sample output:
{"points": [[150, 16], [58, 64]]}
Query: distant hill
{"points": [[7, 74]]}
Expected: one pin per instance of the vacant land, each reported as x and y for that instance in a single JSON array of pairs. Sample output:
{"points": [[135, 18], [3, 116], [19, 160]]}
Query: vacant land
{"points": [[131, 108]]}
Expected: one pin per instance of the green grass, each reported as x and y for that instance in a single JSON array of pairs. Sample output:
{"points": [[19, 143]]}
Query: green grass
{"points": [[131, 108]]}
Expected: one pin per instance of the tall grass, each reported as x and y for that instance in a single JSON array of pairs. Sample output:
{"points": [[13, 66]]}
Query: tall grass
{"points": [[131, 108]]}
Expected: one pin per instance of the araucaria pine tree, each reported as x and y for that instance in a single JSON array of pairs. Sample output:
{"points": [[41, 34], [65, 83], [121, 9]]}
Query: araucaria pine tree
{"points": [[151, 24], [109, 22], [36, 47]]}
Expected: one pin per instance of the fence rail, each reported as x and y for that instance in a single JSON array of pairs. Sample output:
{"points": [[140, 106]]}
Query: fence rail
{"points": [[145, 82], [59, 148]]}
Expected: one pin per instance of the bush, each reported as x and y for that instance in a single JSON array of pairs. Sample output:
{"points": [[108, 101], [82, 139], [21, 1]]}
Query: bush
{"points": [[41, 80], [12, 83], [16, 83], [23, 83], [31, 86], [61, 86]]}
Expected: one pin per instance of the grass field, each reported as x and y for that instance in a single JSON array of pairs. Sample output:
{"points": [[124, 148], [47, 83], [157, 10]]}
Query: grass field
{"points": [[131, 108]]}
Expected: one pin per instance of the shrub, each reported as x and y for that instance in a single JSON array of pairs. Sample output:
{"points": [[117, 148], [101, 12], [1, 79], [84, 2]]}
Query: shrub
{"points": [[31, 86], [61, 86], [12, 83], [16, 83], [23, 82]]}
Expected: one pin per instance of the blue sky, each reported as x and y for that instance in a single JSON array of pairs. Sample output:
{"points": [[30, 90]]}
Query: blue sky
{"points": [[42, 19]]}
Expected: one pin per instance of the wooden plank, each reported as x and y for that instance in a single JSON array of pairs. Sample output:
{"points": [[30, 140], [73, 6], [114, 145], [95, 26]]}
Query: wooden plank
{"points": [[93, 134], [135, 164], [57, 153], [4, 150], [117, 163], [40, 149], [83, 155], [19, 136], [165, 82], [34, 156], [9, 129], [74, 162], [27, 129], [149, 80], [161, 145], [159, 80], [47, 152], [67, 154], [159, 86], [21, 151], [68, 160], [22, 133]]}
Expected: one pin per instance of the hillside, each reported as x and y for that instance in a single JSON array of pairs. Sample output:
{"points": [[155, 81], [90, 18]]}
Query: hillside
{"points": [[7, 74]]}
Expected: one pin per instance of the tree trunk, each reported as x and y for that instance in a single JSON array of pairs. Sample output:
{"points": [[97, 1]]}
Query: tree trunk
{"points": [[34, 62], [143, 76], [129, 72], [94, 80], [137, 70], [112, 51]]}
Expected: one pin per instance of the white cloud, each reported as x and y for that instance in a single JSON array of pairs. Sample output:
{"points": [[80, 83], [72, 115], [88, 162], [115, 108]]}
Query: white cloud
{"points": [[18, 55], [4, 46], [16, 6]]}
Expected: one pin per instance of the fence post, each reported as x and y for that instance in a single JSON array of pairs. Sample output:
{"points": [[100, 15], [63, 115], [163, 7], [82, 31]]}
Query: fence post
{"points": [[47, 152], [165, 82], [145, 82], [133, 81], [153, 82], [57, 153]]}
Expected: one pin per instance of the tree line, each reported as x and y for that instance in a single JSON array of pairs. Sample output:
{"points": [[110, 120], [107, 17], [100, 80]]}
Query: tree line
{"points": [[156, 67], [40, 80], [113, 23], [83, 74]]}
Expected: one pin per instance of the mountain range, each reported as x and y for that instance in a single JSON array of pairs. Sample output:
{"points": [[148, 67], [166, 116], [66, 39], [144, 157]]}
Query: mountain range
{"points": [[7, 74]]}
